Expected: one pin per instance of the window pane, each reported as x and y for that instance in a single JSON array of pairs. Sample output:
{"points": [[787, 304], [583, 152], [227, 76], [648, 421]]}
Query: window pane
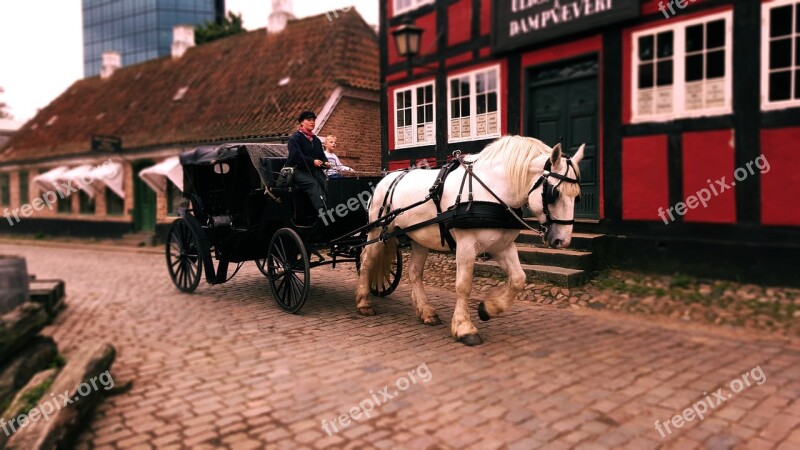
{"points": [[454, 109], [400, 119], [465, 109], [429, 93], [408, 98], [694, 38], [780, 20], [694, 67], [645, 76], [115, 205], [399, 99], [454, 88], [715, 34], [408, 117], [420, 96], [715, 64], [664, 73], [665, 44], [493, 102], [797, 51], [780, 53], [480, 83], [780, 85], [797, 84], [429, 113], [492, 80], [481, 104], [646, 48], [797, 18], [420, 114], [465, 90]]}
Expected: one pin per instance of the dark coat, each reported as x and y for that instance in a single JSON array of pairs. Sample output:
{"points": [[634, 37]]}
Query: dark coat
{"points": [[303, 152]]}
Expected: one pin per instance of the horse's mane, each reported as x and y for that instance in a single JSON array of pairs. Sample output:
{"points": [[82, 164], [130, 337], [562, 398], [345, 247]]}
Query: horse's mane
{"points": [[517, 154]]}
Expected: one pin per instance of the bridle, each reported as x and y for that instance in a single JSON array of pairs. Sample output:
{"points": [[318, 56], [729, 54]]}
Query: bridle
{"points": [[550, 193]]}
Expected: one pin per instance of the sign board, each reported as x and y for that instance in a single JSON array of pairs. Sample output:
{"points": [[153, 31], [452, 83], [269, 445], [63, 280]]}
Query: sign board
{"points": [[518, 23], [106, 144]]}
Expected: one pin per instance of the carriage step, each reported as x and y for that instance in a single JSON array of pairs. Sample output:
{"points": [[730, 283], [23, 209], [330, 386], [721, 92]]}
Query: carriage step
{"points": [[559, 276], [580, 241], [569, 259]]}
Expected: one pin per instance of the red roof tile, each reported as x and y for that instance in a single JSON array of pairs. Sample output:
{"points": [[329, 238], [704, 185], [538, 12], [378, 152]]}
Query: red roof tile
{"points": [[232, 93]]}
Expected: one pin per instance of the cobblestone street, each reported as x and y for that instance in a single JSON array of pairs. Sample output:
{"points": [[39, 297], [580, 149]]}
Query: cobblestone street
{"points": [[225, 368]]}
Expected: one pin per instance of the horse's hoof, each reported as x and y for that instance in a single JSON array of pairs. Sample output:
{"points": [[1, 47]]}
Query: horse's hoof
{"points": [[432, 320], [482, 312], [370, 311], [471, 340]]}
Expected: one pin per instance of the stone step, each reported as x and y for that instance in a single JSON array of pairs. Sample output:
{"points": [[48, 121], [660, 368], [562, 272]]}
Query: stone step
{"points": [[570, 259], [580, 241], [559, 276]]}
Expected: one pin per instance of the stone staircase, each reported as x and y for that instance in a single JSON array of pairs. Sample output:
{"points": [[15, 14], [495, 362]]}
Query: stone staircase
{"points": [[562, 267]]}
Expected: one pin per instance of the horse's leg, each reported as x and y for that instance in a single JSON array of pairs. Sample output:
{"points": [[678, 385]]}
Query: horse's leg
{"points": [[461, 327], [416, 265], [500, 298], [368, 257]]}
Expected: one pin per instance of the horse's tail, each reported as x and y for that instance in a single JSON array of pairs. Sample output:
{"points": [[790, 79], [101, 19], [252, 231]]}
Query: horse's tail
{"points": [[380, 273]]}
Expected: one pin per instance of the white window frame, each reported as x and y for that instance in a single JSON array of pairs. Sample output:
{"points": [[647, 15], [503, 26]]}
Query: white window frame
{"points": [[413, 4], [414, 122], [766, 104], [473, 105], [679, 110]]}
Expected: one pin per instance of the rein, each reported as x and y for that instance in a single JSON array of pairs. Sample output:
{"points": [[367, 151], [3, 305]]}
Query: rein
{"points": [[542, 181]]}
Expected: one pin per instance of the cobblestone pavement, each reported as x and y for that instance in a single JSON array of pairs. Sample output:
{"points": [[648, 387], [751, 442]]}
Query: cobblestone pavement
{"points": [[225, 368]]}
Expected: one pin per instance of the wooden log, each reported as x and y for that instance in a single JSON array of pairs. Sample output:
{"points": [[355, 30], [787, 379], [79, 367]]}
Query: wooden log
{"points": [[50, 294], [14, 281], [54, 422], [19, 326], [22, 403], [14, 374]]}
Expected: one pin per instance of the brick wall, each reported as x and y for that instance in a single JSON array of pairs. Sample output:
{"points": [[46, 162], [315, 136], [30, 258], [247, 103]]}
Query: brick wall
{"points": [[356, 123]]}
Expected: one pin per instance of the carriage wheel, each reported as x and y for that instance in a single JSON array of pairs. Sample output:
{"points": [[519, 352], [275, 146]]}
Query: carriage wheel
{"points": [[288, 270], [183, 256], [262, 266], [391, 281]]}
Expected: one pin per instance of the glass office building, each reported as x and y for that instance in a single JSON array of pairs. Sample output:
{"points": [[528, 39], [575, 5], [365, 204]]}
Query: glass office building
{"points": [[138, 29]]}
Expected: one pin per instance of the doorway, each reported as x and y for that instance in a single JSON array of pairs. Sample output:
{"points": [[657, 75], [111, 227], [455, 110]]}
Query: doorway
{"points": [[144, 201], [562, 106]]}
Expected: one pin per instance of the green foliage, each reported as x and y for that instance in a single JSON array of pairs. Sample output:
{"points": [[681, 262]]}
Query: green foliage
{"points": [[211, 31], [30, 398]]}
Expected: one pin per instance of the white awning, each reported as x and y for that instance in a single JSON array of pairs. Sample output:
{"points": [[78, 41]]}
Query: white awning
{"points": [[79, 177], [48, 181], [156, 176], [112, 175]]}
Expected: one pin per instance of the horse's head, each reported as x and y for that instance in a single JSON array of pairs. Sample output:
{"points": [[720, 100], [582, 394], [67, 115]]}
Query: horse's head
{"points": [[556, 189]]}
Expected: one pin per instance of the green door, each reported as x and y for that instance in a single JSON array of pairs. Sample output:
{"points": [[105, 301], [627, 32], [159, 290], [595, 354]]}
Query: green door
{"points": [[144, 201], [563, 107]]}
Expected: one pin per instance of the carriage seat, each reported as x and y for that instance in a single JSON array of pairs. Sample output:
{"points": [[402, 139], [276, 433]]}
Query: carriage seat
{"points": [[270, 169]]}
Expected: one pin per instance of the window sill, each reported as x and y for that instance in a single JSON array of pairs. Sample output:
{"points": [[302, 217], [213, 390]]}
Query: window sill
{"points": [[471, 139]]}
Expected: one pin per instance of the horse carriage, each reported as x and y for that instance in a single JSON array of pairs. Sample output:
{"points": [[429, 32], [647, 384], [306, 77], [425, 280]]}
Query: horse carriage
{"points": [[235, 213]]}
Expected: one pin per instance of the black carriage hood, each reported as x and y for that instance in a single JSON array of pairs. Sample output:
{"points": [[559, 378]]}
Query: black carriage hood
{"points": [[210, 154]]}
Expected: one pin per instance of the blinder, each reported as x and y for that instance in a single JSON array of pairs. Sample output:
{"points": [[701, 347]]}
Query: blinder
{"points": [[550, 192]]}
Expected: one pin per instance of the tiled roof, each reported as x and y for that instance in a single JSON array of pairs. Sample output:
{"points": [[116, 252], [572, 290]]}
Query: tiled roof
{"points": [[232, 89]]}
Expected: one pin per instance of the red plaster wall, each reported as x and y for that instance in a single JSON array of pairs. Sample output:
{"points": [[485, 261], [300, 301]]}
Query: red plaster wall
{"points": [[780, 186], [709, 155], [459, 21], [645, 186]]}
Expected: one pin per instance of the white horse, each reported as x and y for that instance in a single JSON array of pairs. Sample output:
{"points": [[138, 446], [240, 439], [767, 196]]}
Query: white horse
{"points": [[509, 166]]}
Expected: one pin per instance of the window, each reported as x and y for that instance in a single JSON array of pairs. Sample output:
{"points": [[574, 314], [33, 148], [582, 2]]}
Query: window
{"points": [[24, 184], [780, 67], [65, 205], [474, 105], [5, 191], [402, 6], [415, 117], [683, 70], [115, 205], [86, 203]]}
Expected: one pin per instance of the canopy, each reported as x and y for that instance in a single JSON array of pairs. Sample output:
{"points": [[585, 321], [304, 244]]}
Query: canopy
{"points": [[48, 181], [156, 176], [78, 176], [112, 175], [208, 155]]}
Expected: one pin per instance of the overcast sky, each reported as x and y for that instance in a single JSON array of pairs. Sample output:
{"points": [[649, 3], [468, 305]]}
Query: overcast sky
{"points": [[41, 44]]}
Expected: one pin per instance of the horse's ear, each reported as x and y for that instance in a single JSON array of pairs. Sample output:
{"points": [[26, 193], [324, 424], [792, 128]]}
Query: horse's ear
{"points": [[556, 155], [579, 154]]}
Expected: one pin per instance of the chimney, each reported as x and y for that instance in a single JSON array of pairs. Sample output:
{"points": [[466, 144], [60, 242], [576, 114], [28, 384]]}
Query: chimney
{"points": [[182, 40], [111, 62], [280, 15]]}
